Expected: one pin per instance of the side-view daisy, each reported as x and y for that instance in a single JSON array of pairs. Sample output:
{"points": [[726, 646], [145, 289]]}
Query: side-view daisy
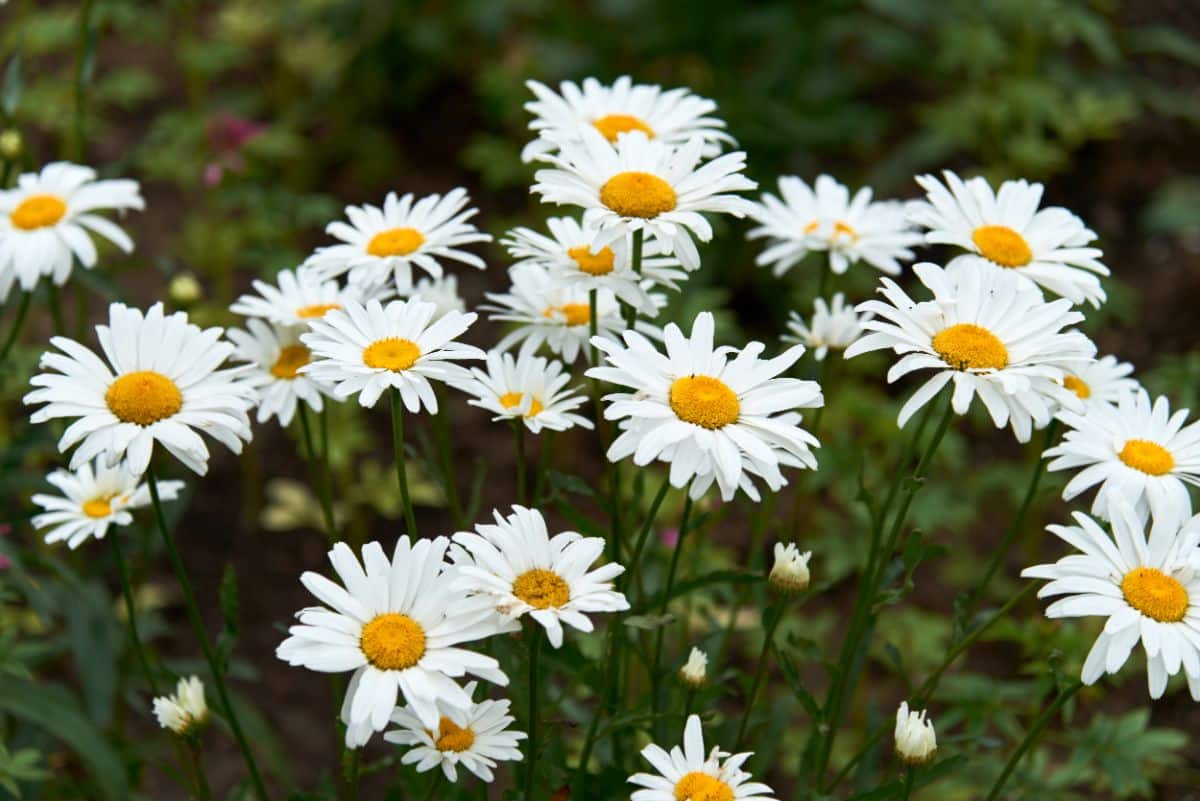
{"points": [[275, 355], [521, 570], [1147, 588], [441, 292], [825, 218], [528, 388], [705, 409], [1102, 382], [692, 774], [1049, 247], [93, 498], [162, 383], [639, 184], [834, 326], [299, 297], [368, 349], [672, 116], [990, 335], [1135, 449], [382, 243], [47, 220], [477, 738], [397, 623]]}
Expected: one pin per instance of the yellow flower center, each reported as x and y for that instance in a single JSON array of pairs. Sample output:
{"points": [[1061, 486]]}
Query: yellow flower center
{"points": [[542, 589], [316, 310], [575, 313], [612, 125], [1147, 456], [696, 786], [1002, 245], [452, 737], [98, 507], [967, 346], [291, 359], [1078, 386], [393, 641], [1155, 594], [395, 242], [843, 229], [593, 263], [38, 211], [511, 399], [705, 401], [144, 397], [393, 354], [637, 194], [812, 226]]}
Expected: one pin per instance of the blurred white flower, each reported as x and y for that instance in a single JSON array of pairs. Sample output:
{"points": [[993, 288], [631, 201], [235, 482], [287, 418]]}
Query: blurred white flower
{"points": [[275, 355], [184, 711], [916, 741], [528, 388], [834, 326], [695, 669]]}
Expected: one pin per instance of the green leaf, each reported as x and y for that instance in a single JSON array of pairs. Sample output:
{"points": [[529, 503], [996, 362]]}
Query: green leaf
{"points": [[10, 96], [647, 622]]}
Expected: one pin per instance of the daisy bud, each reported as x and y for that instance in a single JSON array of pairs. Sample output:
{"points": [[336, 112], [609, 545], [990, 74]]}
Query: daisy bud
{"points": [[184, 290], [184, 711], [694, 670], [789, 575], [10, 144], [916, 742]]}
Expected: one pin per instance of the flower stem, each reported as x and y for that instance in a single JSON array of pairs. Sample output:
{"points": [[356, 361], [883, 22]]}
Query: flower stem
{"points": [[535, 640], [354, 770], [131, 612], [633, 567], [774, 617], [910, 774], [83, 71], [631, 312], [189, 597], [14, 333], [60, 326], [1031, 737], [318, 476], [543, 467], [656, 665], [441, 434], [203, 791], [410, 520], [434, 784], [519, 442]]}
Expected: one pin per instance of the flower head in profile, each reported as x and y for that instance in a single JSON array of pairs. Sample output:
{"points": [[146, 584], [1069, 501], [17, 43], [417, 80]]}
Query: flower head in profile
{"points": [[916, 741], [789, 574], [397, 624], [298, 297], [530, 389], [825, 218], [382, 244], [672, 116], [275, 356], [1102, 382], [642, 184], [708, 411], [477, 738], [833, 326], [521, 570], [366, 350], [695, 669], [692, 774], [93, 498], [185, 710], [48, 219], [160, 381], [1147, 588], [989, 334], [1048, 247]]}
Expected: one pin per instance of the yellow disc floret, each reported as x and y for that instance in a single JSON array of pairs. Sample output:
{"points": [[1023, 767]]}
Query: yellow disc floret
{"points": [[706, 401], [1155, 594], [593, 263], [510, 399], [291, 359], [574, 313], [1078, 386], [392, 353], [844, 229], [144, 397], [696, 786], [98, 507], [638, 194], [967, 346], [316, 310], [1002, 245], [38, 211], [1149, 457], [452, 737], [395, 242], [542, 589], [613, 125], [393, 641]]}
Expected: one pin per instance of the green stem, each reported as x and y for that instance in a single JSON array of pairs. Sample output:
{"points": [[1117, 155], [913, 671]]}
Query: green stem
{"points": [[656, 665], [354, 771], [519, 442], [775, 616], [543, 467], [910, 774], [14, 333], [318, 480], [82, 74], [441, 434], [435, 783], [631, 312], [60, 326], [131, 611], [410, 519], [1031, 737], [203, 791], [535, 640], [193, 609], [635, 560]]}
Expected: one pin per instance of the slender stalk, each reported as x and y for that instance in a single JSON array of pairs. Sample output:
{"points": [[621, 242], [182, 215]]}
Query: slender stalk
{"points": [[910, 773], [875, 737], [354, 771], [1031, 737], [435, 783], [318, 479], [775, 616], [410, 520], [14, 333], [193, 609], [203, 791], [519, 442], [535, 640], [655, 683], [60, 326], [82, 75], [441, 435], [131, 611], [593, 329], [631, 312], [543, 467], [635, 560]]}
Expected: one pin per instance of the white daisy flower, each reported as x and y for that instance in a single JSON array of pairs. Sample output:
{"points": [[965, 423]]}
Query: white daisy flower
{"points": [[789, 574], [574, 262], [692, 774], [369, 349], [300, 297], [706, 410], [161, 383], [915, 739], [672, 116], [1048, 247], [383, 243], [94, 497], [834, 325], [276, 355], [989, 334], [441, 292], [48, 219], [1147, 588], [1102, 382], [825, 218], [528, 388], [397, 623], [695, 669], [638, 184], [477, 738], [1134, 449], [522, 570], [184, 711]]}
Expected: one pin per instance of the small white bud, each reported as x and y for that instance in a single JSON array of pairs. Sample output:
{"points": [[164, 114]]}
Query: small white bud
{"points": [[185, 710], [790, 572], [916, 742], [695, 669]]}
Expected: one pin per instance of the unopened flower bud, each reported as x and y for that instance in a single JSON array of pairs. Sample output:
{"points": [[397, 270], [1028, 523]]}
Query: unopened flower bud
{"points": [[916, 742], [184, 289], [695, 669], [790, 572], [10, 144], [184, 711]]}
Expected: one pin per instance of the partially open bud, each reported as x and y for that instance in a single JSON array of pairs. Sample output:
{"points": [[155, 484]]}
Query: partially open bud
{"points": [[790, 572], [10, 144], [916, 742], [695, 669], [184, 711]]}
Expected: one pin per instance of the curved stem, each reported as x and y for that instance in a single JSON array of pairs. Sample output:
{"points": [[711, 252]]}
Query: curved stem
{"points": [[1031, 737], [776, 616], [131, 611], [635, 560], [14, 333], [318, 479], [410, 519]]}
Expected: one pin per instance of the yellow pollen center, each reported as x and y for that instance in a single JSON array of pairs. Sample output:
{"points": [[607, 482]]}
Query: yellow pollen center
{"points": [[696, 786], [1078, 386], [98, 507], [1147, 456], [38, 211], [637, 194], [291, 359], [1155, 594], [542, 589], [316, 310], [812, 226], [1002, 245], [393, 641], [967, 346], [576, 313], [705, 401], [395, 242], [612, 125], [144, 397], [593, 263], [511, 399], [843, 229], [452, 737], [393, 354]]}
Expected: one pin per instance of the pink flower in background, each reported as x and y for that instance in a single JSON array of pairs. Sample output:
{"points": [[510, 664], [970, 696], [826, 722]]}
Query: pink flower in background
{"points": [[669, 536], [5, 562], [227, 135]]}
